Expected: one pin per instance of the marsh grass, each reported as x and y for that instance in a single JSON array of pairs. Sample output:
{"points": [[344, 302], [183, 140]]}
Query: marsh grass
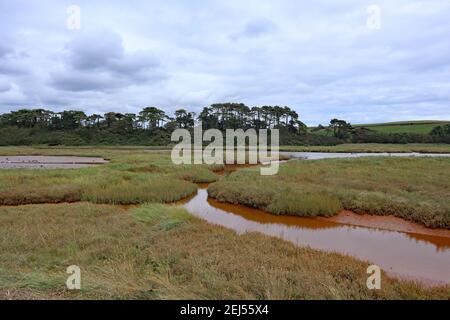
{"points": [[306, 204], [130, 178], [156, 251], [146, 253], [135, 191], [416, 189], [47, 194], [166, 217], [277, 200], [200, 174]]}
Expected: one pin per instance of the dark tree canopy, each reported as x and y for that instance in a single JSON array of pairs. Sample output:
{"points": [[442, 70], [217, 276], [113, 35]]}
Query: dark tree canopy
{"points": [[151, 125], [220, 116]]}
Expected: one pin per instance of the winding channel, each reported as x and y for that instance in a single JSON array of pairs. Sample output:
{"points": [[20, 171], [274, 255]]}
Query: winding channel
{"points": [[402, 249]]}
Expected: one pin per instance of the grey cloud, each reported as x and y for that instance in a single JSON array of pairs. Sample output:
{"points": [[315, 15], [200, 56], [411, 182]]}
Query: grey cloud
{"points": [[4, 86], [90, 51], [259, 27], [256, 28], [82, 81], [317, 57], [4, 51], [12, 63], [11, 67], [140, 66], [105, 51], [98, 61]]}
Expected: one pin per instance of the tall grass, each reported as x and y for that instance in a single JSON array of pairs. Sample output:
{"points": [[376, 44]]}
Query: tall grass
{"points": [[277, 200], [416, 189], [165, 217], [157, 252], [47, 194], [129, 179], [137, 191], [305, 204]]}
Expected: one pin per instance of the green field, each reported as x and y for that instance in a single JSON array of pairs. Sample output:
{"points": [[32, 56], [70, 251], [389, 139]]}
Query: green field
{"points": [[418, 127]]}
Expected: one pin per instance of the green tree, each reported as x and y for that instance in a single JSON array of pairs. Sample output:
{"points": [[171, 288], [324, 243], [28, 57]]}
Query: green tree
{"points": [[184, 119], [341, 129], [152, 117]]}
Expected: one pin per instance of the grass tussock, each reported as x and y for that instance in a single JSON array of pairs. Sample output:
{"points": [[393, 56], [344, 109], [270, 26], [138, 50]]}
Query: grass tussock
{"points": [[47, 194], [166, 217], [280, 200], [199, 174], [137, 191], [294, 202], [416, 189], [134, 255]]}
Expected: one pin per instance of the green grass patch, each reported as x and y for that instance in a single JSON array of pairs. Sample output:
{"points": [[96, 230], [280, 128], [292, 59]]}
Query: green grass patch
{"points": [[305, 204], [417, 127], [164, 216], [277, 199], [135, 191]]}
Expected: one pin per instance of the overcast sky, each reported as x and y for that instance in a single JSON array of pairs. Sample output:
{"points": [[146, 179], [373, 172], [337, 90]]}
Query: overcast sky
{"points": [[321, 58]]}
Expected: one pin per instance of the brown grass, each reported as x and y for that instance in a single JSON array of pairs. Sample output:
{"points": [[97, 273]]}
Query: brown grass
{"points": [[125, 256]]}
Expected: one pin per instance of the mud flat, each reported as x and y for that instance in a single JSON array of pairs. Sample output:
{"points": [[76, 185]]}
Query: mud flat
{"points": [[386, 223], [48, 162]]}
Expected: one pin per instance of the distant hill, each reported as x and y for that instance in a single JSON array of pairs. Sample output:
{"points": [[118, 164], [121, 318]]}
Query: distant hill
{"points": [[419, 126]]}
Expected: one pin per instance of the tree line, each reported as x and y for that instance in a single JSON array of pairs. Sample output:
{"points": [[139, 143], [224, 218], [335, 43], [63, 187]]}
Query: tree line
{"points": [[153, 126], [221, 116]]}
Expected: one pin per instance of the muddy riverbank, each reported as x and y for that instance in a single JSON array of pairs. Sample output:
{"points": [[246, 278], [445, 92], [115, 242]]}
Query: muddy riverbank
{"points": [[48, 162]]}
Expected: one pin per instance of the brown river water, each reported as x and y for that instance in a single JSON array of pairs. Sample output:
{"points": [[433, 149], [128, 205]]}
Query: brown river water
{"points": [[416, 253]]}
